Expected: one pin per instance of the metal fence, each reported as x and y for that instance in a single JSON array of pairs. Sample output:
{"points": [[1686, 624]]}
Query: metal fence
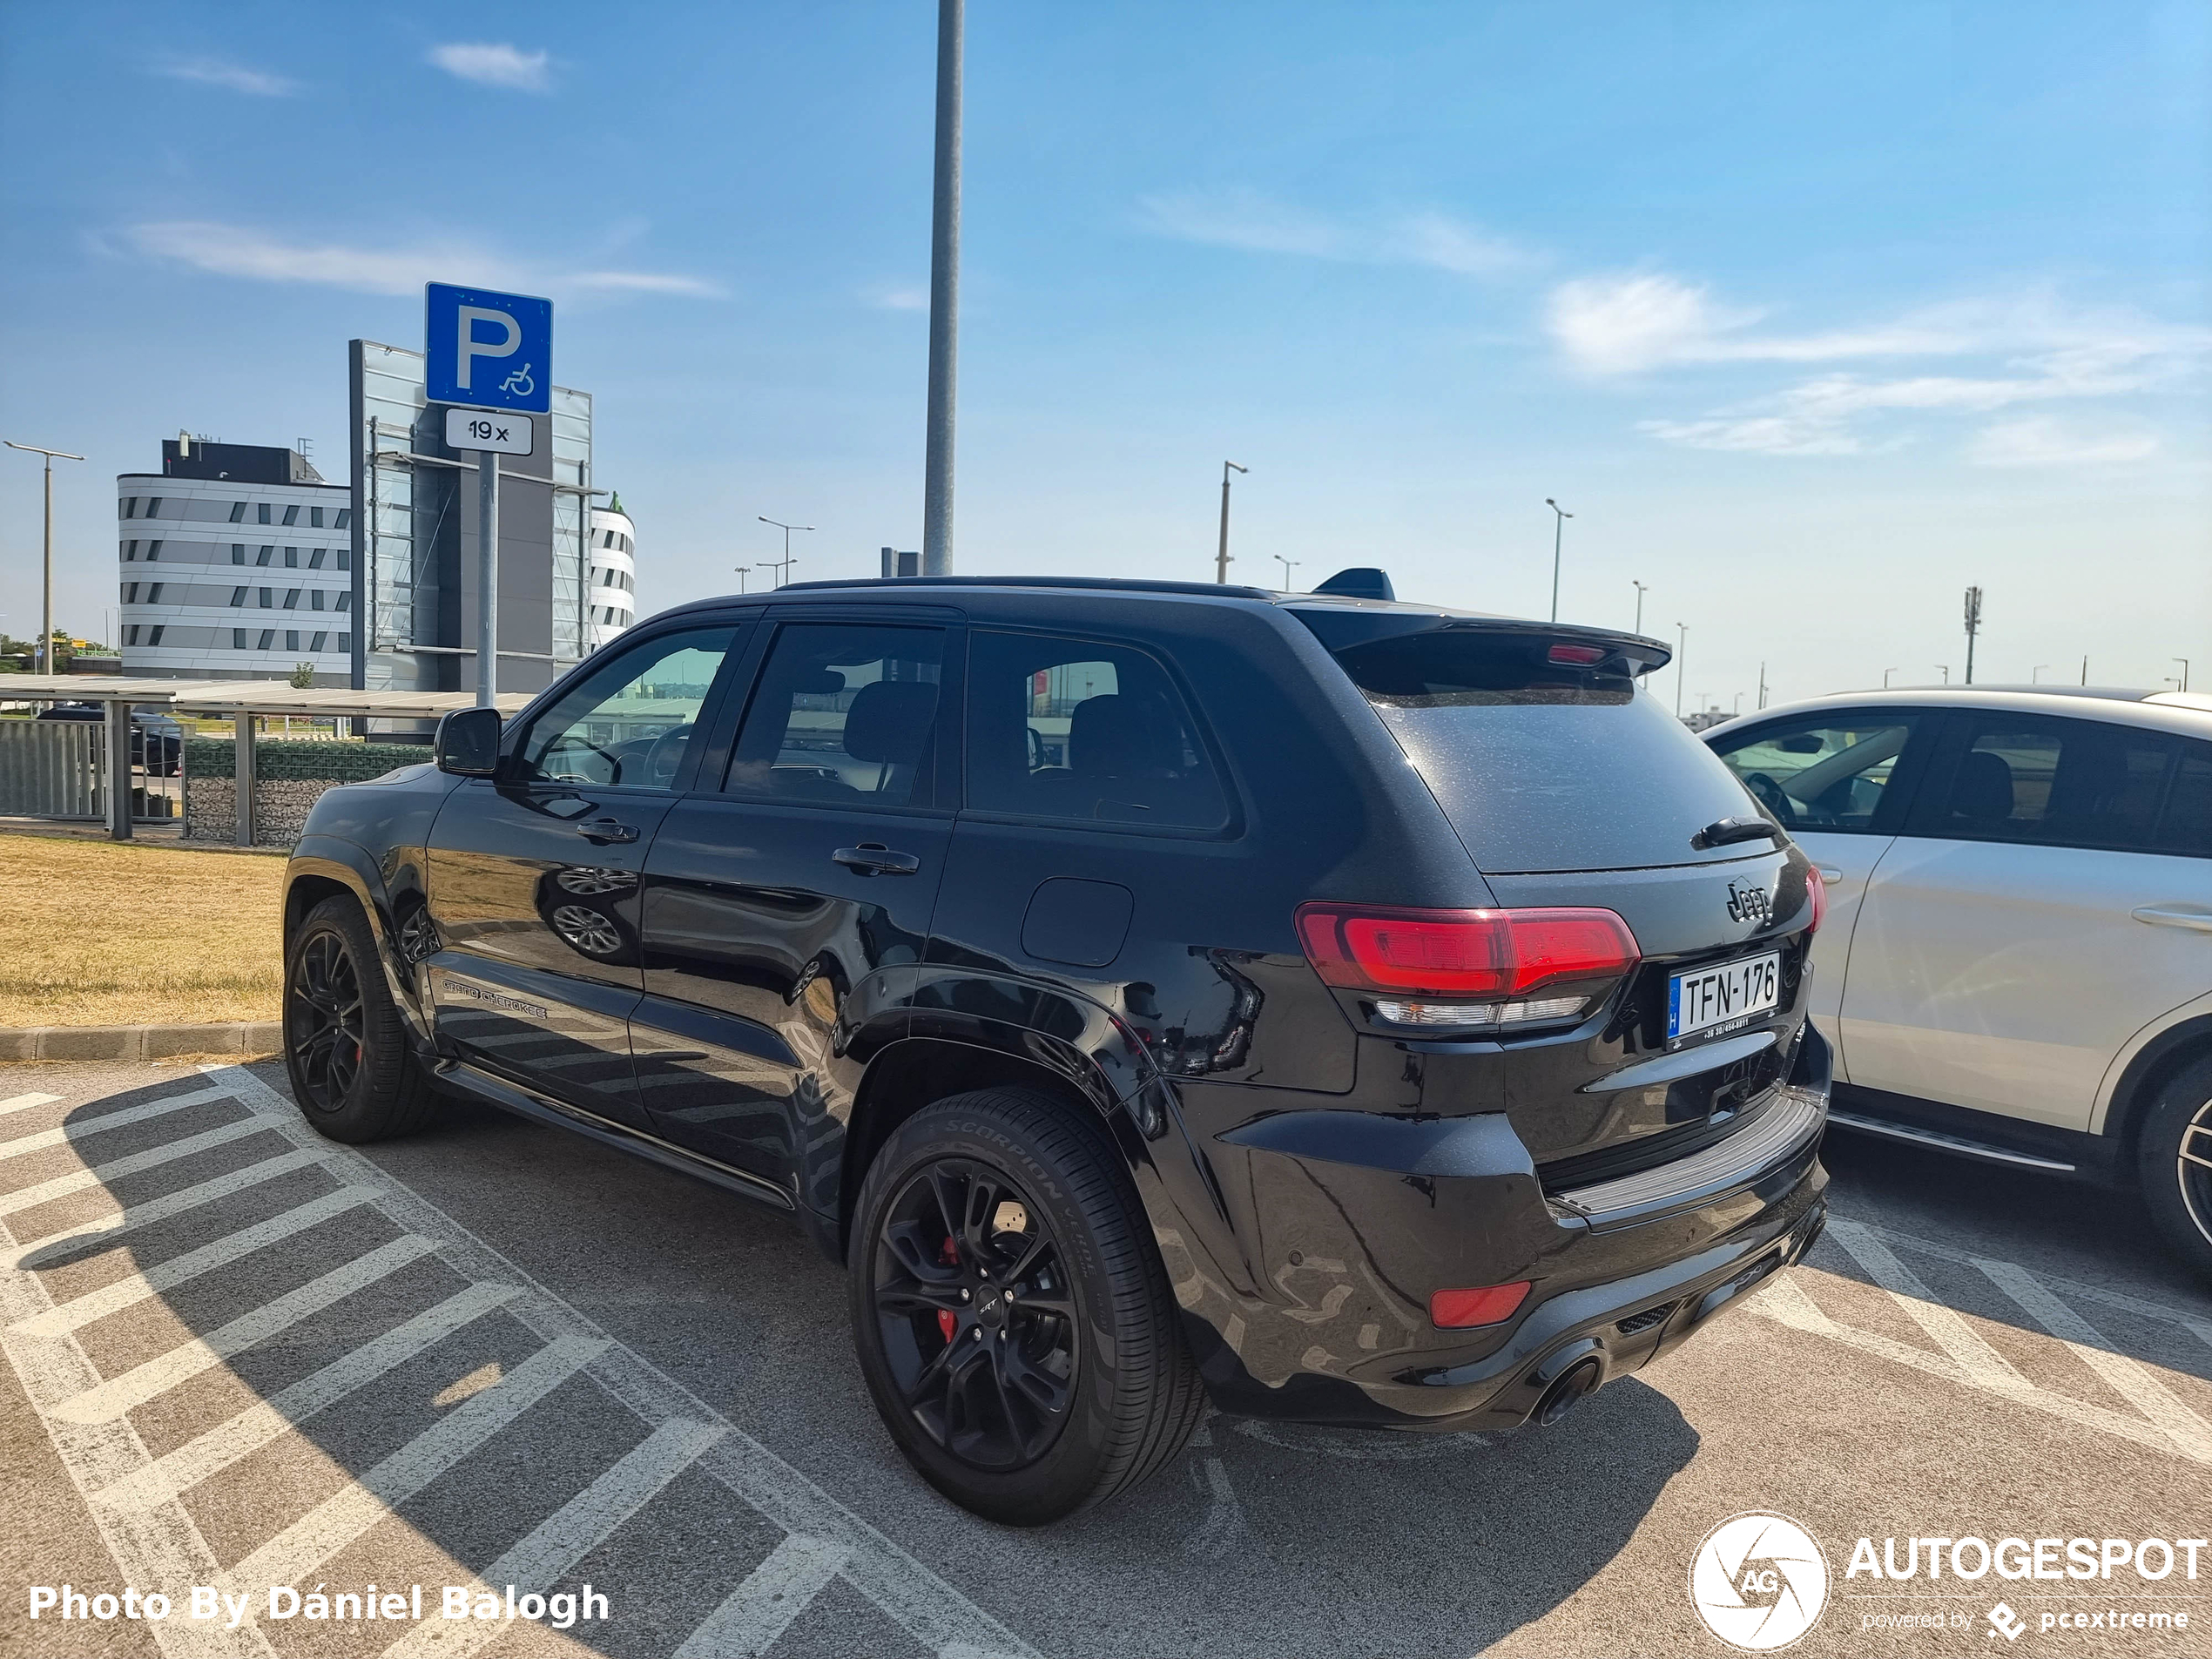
{"points": [[58, 769]]}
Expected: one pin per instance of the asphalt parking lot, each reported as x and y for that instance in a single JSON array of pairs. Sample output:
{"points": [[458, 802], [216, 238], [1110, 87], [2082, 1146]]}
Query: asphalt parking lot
{"points": [[240, 1357]]}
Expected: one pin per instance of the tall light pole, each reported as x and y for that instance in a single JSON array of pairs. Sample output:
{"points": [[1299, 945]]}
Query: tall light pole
{"points": [[944, 298], [1682, 654], [1221, 558], [741, 569], [1288, 565], [1945, 669], [784, 570], [46, 609], [2035, 674], [1641, 591], [1560, 516], [1973, 627], [1885, 678], [2184, 662]]}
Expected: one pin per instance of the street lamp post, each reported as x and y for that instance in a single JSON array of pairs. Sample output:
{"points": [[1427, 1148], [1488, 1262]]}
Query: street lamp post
{"points": [[1560, 516], [783, 569], [1682, 655], [46, 609], [2184, 662], [1221, 558], [2035, 674], [1288, 565], [741, 569], [944, 298], [1945, 669], [1641, 591], [1885, 678]]}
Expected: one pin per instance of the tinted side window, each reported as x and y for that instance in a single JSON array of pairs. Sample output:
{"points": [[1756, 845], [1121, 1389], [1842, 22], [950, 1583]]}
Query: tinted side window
{"points": [[1086, 731], [629, 720], [2186, 824], [1827, 773], [2060, 783], [843, 713]]}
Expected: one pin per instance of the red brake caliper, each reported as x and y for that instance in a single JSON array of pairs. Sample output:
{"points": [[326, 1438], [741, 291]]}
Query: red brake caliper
{"points": [[950, 1256]]}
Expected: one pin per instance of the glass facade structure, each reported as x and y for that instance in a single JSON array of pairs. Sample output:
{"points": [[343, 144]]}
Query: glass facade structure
{"points": [[414, 544]]}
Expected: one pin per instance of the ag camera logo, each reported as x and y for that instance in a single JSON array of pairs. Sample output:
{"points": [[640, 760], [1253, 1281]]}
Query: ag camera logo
{"points": [[1759, 1581]]}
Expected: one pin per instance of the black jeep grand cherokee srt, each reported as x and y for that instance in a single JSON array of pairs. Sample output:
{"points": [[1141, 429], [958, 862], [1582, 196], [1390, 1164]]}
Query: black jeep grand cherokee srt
{"points": [[1351, 1011]]}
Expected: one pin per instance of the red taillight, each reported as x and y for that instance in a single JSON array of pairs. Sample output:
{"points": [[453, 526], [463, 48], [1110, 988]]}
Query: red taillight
{"points": [[1492, 1305], [1579, 656], [1816, 890], [1461, 952]]}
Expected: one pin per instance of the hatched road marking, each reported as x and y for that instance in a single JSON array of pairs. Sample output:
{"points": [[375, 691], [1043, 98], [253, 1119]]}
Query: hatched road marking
{"points": [[2161, 1420], [135, 1498]]}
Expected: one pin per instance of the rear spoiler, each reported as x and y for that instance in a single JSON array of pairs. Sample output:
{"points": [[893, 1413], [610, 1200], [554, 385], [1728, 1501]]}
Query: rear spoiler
{"points": [[1340, 628]]}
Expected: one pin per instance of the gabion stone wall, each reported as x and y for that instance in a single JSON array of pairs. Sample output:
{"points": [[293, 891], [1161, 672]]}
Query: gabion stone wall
{"points": [[289, 778]]}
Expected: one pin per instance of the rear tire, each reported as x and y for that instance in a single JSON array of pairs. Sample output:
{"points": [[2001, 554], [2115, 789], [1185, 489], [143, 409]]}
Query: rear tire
{"points": [[345, 1045], [2173, 1163], [1013, 1319]]}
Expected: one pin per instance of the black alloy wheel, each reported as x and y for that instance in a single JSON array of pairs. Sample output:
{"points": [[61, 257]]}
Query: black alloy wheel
{"points": [[346, 1048], [974, 1313], [1012, 1314], [2173, 1162], [323, 1020]]}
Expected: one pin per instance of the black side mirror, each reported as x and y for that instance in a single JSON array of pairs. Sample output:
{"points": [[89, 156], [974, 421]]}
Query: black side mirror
{"points": [[468, 743]]}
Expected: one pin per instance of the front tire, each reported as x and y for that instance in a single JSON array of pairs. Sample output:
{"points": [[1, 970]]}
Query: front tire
{"points": [[1014, 1321], [2173, 1163], [345, 1044]]}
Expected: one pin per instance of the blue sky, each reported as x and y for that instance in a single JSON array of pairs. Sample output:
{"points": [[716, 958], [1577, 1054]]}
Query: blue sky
{"points": [[1811, 315]]}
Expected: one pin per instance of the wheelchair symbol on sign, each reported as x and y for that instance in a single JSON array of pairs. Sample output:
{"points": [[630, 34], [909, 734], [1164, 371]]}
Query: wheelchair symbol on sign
{"points": [[519, 384]]}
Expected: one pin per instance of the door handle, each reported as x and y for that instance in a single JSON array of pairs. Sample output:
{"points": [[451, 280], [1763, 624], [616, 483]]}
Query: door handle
{"points": [[2175, 915], [1830, 873], [606, 829], [872, 858]]}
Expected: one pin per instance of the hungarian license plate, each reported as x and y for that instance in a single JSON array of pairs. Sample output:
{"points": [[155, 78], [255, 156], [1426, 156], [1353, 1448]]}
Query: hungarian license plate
{"points": [[1730, 994]]}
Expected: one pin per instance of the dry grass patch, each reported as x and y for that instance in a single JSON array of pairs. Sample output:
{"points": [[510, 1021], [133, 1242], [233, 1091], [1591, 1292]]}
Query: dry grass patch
{"points": [[106, 933]]}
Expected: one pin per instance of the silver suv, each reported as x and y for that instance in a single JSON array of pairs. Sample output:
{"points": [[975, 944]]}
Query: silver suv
{"points": [[2016, 964]]}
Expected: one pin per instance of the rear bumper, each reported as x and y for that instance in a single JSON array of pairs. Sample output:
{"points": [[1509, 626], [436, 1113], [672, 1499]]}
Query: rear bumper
{"points": [[1351, 1220]]}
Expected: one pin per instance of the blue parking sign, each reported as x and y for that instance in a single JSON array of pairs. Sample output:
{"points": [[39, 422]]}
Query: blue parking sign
{"points": [[489, 350]]}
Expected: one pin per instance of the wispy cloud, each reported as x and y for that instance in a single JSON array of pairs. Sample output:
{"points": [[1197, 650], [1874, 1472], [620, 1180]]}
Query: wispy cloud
{"points": [[244, 251], [496, 63], [897, 296], [2043, 440], [2031, 349], [1258, 224], [232, 78]]}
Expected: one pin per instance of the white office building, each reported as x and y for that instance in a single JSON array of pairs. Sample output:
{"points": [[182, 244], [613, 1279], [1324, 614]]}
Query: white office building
{"points": [[236, 562], [612, 599]]}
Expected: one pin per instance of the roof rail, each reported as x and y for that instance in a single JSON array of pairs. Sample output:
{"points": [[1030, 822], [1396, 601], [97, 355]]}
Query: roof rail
{"points": [[1110, 584]]}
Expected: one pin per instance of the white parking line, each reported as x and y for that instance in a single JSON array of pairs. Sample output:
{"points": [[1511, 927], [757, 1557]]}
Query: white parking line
{"points": [[773, 1594], [134, 1497], [1983, 1364], [24, 1103], [105, 1229], [158, 1375], [255, 1427], [933, 1612], [77, 1180], [355, 1507], [81, 1310], [2128, 1379], [566, 1537], [68, 1134]]}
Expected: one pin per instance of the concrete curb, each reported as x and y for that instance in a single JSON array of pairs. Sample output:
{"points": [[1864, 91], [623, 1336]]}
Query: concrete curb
{"points": [[139, 1041]]}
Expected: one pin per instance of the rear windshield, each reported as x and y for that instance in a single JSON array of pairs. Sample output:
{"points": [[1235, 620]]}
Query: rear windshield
{"points": [[1542, 766]]}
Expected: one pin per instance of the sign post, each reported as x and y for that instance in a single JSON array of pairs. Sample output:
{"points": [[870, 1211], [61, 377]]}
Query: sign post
{"points": [[491, 355]]}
